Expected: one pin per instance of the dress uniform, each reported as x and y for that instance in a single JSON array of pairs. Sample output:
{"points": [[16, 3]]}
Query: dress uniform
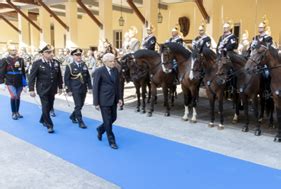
{"points": [[175, 37], [77, 82], [12, 73], [201, 42], [149, 41], [46, 73], [228, 42]]}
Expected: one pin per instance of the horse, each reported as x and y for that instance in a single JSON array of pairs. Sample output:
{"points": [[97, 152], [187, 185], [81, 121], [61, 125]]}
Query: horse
{"points": [[267, 55], [248, 85], [138, 77], [190, 74], [214, 83], [150, 61]]}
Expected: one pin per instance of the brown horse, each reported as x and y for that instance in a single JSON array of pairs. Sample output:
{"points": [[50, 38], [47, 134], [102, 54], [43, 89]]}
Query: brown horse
{"points": [[190, 74], [214, 83], [248, 85], [138, 76], [267, 55], [149, 62]]}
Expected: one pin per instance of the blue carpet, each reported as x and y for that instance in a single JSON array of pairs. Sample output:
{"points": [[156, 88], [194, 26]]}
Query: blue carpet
{"points": [[143, 161]]}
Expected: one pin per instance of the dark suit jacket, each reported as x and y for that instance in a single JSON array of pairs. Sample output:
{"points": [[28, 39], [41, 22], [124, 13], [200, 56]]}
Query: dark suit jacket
{"points": [[77, 80], [105, 88], [48, 79]]}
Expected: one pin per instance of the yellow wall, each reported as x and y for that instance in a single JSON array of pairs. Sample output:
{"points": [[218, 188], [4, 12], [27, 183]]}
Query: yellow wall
{"points": [[8, 33], [244, 12]]}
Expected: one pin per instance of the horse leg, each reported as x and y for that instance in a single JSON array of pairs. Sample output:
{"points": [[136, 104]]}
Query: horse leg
{"points": [[173, 91], [212, 110], [256, 113], [220, 101], [194, 105], [153, 94], [166, 100], [237, 102], [246, 112], [278, 136], [138, 96], [186, 109], [149, 92], [143, 93], [262, 104]]}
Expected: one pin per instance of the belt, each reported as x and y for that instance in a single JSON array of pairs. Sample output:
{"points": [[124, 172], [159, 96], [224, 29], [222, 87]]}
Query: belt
{"points": [[14, 73]]}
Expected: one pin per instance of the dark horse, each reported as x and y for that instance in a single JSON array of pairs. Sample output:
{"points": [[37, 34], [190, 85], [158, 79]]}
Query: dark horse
{"points": [[149, 62], [267, 55], [138, 76], [190, 74], [215, 84]]}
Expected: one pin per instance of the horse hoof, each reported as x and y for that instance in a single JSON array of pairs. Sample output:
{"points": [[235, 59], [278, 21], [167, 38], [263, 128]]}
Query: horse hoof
{"points": [[143, 111], [245, 129], [193, 121], [260, 120], [137, 110], [148, 101], [211, 125], [121, 108], [220, 127], [258, 132], [149, 114], [277, 138], [184, 118], [167, 114]]}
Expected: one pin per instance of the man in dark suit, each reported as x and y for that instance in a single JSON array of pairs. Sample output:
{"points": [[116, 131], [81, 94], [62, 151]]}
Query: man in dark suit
{"points": [[77, 82], [107, 96], [46, 73]]}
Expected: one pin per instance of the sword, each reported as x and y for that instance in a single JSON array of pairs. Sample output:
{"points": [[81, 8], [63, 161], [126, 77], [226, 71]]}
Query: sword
{"points": [[65, 95], [37, 103]]}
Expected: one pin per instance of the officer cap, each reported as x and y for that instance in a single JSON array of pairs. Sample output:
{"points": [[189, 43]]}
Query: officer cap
{"points": [[76, 51]]}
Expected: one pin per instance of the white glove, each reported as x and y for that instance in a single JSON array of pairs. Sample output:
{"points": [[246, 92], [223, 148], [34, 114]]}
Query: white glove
{"points": [[3, 87]]}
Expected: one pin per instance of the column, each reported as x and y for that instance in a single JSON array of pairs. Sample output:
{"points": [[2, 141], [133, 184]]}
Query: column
{"points": [[105, 16]]}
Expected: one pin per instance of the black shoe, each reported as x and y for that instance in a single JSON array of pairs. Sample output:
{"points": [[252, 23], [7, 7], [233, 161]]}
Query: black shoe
{"points": [[52, 113], [51, 130], [14, 116], [18, 115], [99, 135], [82, 125], [73, 120], [114, 146]]}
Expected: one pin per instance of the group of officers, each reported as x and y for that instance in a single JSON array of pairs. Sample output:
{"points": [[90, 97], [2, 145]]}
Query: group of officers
{"points": [[47, 77]]}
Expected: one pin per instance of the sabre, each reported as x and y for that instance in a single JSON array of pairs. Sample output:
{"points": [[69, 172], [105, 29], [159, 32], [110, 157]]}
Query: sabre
{"points": [[65, 95], [37, 103]]}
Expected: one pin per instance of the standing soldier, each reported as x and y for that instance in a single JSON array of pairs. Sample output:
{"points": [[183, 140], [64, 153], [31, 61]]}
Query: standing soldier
{"points": [[46, 73], [77, 81], [149, 41], [12, 73]]}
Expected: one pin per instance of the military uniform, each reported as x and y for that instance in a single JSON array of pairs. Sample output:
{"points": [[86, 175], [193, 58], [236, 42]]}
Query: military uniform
{"points": [[48, 78], [200, 43], [77, 81], [149, 42], [227, 43], [12, 73], [263, 38], [176, 39]]}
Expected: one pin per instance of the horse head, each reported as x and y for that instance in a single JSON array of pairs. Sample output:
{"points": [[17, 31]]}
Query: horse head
{"points": [[167, 58], [259, 57], [125, 63]]}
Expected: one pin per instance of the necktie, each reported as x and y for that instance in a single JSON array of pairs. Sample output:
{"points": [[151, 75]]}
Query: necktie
{"points": [[111, 73]]}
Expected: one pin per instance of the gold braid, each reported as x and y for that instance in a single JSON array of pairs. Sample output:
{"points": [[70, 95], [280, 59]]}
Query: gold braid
{"points": [[76, 76]]}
